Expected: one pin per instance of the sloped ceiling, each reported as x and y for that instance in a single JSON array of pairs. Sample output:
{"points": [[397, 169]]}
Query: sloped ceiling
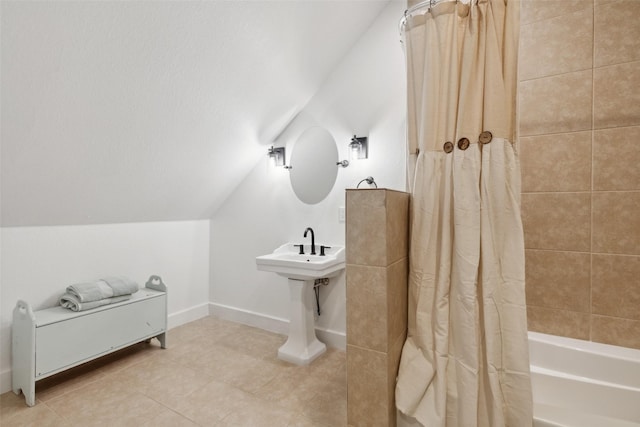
{"points": [[152, 111]]}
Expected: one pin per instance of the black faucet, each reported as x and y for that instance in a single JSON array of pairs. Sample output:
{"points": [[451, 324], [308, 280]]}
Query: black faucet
{"points": [[313, 240]]}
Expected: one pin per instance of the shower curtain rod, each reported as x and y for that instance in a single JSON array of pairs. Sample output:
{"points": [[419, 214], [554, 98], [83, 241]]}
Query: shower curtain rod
{"points": [[425, 3]]}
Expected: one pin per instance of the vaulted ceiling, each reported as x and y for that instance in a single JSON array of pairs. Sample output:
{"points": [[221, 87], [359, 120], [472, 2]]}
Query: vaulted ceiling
{"points": [[146, 111]]}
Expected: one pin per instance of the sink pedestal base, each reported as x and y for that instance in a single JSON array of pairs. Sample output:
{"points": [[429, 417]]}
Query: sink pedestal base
{"points": [[302, 346]]}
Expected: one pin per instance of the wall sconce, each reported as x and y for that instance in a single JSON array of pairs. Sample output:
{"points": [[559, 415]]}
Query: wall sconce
{"points": [[359, 147], [277, 155]]}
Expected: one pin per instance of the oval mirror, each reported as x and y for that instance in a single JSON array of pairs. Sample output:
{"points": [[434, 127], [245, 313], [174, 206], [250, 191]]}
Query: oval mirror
{"points": [[313, 165]]}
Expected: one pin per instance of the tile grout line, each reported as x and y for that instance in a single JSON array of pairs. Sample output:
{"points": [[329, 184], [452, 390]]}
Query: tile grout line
{"points": [[61, 416], [592, 68], [593, 125], [580, 192], [571, 131]]}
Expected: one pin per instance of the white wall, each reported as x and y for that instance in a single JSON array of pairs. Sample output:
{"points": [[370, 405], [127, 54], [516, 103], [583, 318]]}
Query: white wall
{"points": [[365, 95], [204, 260], [39, 262], [159, 106]]}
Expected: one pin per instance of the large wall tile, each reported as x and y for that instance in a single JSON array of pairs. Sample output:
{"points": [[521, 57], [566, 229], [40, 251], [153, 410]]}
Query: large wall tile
{"points": [[393, 365], [397, 294], [558, 279], [556, 221], [616, 286], [617, 33], [558, 162], [537, 10], [367, 391], [612, 330], [616, 159], [616, 95], [367, 306], [567, 41], [381, 236], [393, 361], [556, 104], [616, 222], [365, 212], [558, 322], [397, 225]]}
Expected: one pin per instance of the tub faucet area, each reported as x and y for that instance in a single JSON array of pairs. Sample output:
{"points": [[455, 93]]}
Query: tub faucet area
{"points": [[313, 239]]}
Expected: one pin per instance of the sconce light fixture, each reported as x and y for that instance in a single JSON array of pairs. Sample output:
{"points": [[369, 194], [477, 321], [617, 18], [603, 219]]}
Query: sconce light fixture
{"points": [[359, 147], [277, 155]]}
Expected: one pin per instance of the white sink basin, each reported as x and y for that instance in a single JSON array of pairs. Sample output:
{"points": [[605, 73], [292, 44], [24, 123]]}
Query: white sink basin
{"points": [[287, 262]]}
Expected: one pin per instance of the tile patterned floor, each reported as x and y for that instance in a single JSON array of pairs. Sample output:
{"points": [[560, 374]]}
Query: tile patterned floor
{"points": [[214, 373]]}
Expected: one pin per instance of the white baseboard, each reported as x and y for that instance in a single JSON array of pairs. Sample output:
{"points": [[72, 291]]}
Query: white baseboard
{"points": [[332, 338], [187, 315], [250, 318], [278, 325], [5, 381]]}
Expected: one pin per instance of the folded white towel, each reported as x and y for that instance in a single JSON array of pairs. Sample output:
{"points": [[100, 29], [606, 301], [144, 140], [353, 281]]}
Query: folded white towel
{"points": [[108, 287], [71, 302], [121, 285]]}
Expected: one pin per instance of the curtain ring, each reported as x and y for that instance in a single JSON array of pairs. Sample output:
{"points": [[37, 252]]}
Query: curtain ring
{"points": [[448, 147]]}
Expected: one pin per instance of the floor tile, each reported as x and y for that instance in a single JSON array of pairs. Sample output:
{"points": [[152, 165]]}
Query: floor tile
{"points": [[213, 373]]}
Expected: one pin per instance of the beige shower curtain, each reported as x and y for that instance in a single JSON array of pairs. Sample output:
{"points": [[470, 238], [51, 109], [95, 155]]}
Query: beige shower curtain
{"points": [[465, 361]]}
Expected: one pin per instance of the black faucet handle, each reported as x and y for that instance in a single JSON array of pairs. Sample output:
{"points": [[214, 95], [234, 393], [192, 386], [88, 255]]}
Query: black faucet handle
{"points": [[301, 249], [322, 248]]}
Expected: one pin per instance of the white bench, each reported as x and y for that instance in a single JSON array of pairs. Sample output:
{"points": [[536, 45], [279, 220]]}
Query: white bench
{"points": [[49, 341]]}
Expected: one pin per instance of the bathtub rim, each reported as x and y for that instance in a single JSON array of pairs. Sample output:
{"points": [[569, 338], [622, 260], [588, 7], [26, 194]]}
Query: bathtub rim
{"points": [[601, 349], [572, 378]]}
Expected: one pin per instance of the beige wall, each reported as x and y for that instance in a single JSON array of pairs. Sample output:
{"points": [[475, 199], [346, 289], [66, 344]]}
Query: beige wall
{"points": [[580, 153]]}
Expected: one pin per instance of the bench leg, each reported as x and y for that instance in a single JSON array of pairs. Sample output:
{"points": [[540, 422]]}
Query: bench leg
{"points": [[29, 393], [163, 340], [22, 379]]}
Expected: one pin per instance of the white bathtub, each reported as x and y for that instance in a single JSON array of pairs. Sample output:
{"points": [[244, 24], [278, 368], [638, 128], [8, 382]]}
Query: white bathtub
{"points": [[583, 384], [579, 384]]}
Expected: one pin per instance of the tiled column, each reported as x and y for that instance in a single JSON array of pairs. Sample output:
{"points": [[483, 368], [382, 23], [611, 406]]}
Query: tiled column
{"points": [[377, 264]]}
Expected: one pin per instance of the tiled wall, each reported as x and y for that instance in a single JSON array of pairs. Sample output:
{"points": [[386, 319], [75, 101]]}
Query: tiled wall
{"points": [[580, 154], [377, 262]]}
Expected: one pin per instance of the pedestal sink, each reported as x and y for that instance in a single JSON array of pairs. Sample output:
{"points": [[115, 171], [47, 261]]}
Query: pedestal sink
{"points": [[301, 270]]}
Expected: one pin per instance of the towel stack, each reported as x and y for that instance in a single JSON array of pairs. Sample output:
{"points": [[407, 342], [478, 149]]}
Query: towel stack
{"points": [[85, 296]]}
